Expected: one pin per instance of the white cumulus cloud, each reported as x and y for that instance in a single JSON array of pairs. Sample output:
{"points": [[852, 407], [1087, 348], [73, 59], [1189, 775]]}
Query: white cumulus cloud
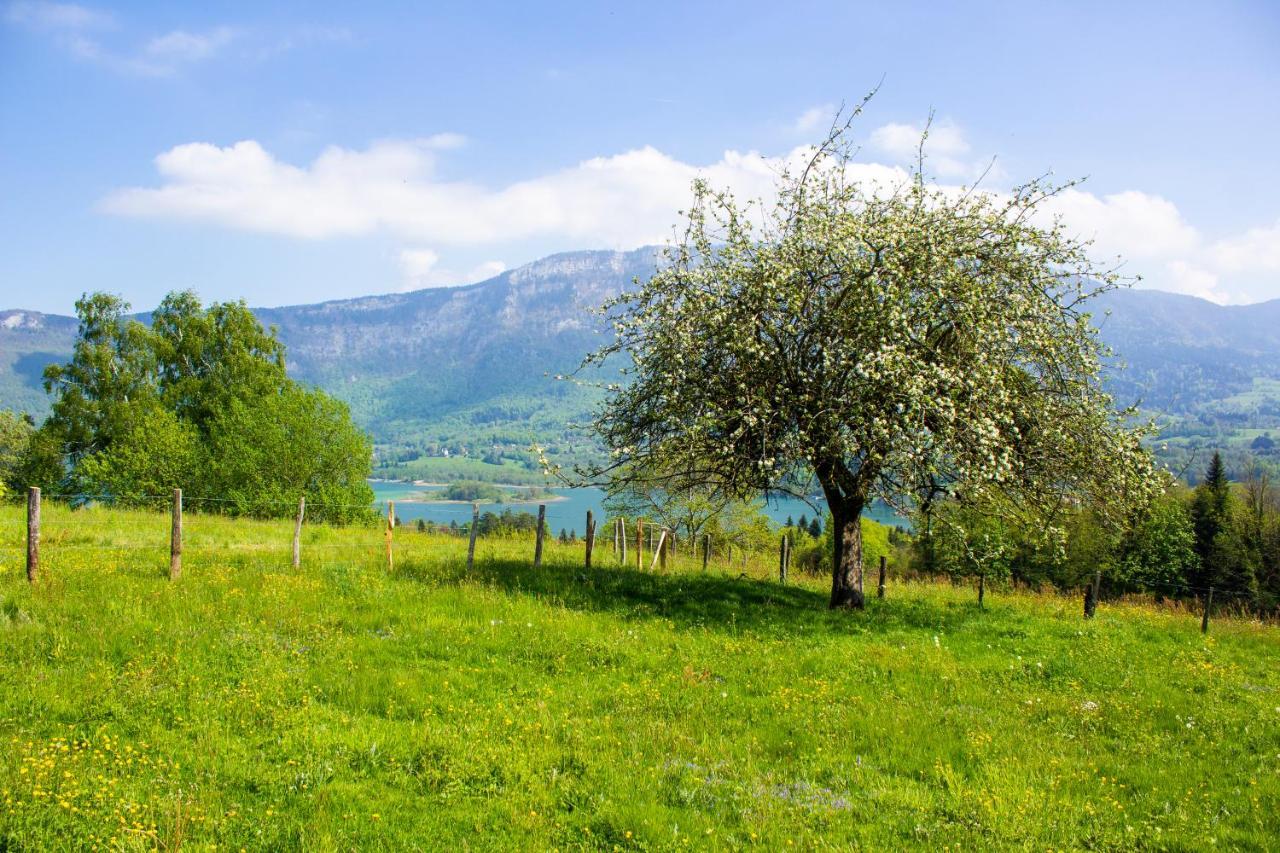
{"points": [[394, 188], [1256, 250], [619, 201], [947, 151], [1134, 224]]}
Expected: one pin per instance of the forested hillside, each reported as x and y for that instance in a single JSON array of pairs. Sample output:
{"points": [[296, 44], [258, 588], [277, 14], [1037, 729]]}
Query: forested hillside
{"points": [[468, 373]]}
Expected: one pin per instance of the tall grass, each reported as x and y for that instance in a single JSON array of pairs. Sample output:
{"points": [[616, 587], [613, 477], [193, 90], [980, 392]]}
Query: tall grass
{"points": [[340, 706]]}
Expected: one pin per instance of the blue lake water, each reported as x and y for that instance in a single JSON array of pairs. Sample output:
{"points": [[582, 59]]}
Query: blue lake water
{"points": [[571, 513]]}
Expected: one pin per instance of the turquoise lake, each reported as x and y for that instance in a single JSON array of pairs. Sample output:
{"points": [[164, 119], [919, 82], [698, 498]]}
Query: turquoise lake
{"points": [[571, 513]]}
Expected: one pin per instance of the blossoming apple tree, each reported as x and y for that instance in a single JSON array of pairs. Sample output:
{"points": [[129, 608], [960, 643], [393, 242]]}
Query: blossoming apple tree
{"points": [[904, 343]]}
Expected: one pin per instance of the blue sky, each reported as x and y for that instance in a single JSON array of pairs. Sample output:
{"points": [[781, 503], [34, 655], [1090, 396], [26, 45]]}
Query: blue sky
{"points": [[300, 152]]}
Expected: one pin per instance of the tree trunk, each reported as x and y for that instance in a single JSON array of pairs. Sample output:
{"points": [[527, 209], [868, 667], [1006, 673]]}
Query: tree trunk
{"points": [[846, 571]]}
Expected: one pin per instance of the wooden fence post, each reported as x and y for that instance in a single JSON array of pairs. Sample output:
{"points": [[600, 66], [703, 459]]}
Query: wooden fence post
{"points": [[782, 559], [880, 585], [658, 552], [33, 533], [640, 543], [391, 532], [1204, 621], [615, 536], [591, 536], [982, 588], [471, 545], [297, 532], [537, 546], [706, 551], [1091, 595], [175, 537], [622, 540]]}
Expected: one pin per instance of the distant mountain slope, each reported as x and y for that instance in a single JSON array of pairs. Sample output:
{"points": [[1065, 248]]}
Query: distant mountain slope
{"points": [[457, 370], [30, 340], [458, 347], [1181, 353], [464, 370]]}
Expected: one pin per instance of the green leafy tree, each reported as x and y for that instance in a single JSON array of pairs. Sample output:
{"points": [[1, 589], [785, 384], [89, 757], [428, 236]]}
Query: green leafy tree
{"points": [[154, 452], [42, 464], [207, 357], [473, 490], [743, 526], [1088, 544], [1260, 524], [15, 440], [884, 340], [111, 373], [265, 453], [508, 522], [1158, 553], [971, 541], [200, 401]]}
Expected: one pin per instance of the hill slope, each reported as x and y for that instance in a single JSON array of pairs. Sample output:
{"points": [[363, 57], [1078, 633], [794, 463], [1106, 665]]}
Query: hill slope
{"points": [[340, 706], [462, 370]]}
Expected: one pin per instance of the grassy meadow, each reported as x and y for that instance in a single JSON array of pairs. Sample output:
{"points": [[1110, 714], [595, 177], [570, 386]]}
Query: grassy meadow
{"points": [[341, 706]]}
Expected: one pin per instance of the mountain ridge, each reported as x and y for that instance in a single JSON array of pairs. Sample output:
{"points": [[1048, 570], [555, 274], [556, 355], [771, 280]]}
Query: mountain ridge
{"points": [[469, 368]]}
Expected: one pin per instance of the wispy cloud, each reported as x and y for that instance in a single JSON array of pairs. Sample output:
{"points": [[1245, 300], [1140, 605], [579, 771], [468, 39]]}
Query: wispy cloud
{"points": [[99, 37], [161, 56], [180, 46], [80, 31], [303, 37], [57, 16]]}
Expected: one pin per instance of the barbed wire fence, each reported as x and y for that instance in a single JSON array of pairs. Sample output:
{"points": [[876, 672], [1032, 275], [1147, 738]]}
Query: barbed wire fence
{"points": [[636, 543]]}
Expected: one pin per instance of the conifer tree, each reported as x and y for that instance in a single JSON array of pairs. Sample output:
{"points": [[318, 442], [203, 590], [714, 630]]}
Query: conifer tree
{"points": [[1211, 520]]}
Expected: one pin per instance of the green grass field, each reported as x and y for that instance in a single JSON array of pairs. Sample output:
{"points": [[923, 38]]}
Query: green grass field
{"points": [[248, 705]]}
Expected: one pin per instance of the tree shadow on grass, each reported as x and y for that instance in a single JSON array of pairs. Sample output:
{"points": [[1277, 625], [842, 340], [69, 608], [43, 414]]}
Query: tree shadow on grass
{"points": [[714, 601]]}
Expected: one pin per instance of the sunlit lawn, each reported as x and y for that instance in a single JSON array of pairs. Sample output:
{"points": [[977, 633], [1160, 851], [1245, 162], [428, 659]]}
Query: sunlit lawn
{"points": [[342, 707]]}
